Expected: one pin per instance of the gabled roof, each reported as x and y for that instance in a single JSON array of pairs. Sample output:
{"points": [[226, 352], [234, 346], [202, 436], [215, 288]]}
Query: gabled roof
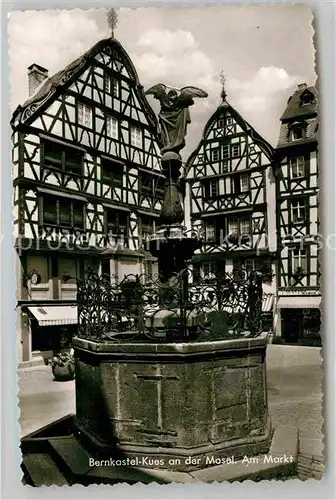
{"points": [[53, 86], [264, 145], [296, 108]]}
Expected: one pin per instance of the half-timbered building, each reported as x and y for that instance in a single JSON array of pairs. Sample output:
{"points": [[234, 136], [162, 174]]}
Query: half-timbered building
{"points": [[230, 198], [87, 178], [299, 296]]}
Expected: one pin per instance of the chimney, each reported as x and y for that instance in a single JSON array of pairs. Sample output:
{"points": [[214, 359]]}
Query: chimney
{"points": [[36, 75], [302, 86]]}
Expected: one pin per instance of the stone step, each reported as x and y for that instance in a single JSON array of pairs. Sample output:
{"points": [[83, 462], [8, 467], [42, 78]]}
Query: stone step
{"points": [[41, 470], [70, 452]]}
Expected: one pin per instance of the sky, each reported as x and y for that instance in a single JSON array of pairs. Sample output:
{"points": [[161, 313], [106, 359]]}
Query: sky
{"points": [[264, 51]]}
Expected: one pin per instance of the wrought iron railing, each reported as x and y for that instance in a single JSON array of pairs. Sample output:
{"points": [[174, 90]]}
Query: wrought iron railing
{"points": [[142, 308]]}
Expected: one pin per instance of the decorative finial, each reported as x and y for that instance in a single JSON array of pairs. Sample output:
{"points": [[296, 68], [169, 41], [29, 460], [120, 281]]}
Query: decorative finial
{"points": [[112, 20], [223, 80]]}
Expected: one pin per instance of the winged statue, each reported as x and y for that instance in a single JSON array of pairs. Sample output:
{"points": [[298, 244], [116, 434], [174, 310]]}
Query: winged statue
{"points": [[174, 115]]}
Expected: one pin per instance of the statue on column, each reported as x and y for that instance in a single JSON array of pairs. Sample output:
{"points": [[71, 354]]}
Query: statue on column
{"points": [[174, 115]]}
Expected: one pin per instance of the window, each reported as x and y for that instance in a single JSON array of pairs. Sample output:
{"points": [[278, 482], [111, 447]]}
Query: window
{"points": [[298, 210], [63, 212], [225, 152], [225, 121], [146, 183], [299, 259], [238, 226], [241, 183], [252, 265], [84, 115], [297, 166], [297, 131], [210, 231], [224, 167], [159, 186], [233, 226], [209, 270], [214, 229], [244, 183], [117, 224], [235, 150], [105, 269], [112, 127], [111, 85], [59, 157], [307, 98], [147, 226], [211, 188], [262, 266], [245, 227], [136, 137], [215, 154], [112, 173]]}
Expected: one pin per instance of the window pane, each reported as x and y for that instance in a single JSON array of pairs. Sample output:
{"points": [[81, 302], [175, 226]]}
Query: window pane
{"points": [[225, 152], [244, 183], [245, 226], [147, 226], [233, 226], [111, 127], [112, 172], [159, 185], [50, 210], [235, 149], [215, 154], [136, 137], [52, 155], [78, 215], [65, 213], [84, 114], [210, 231], [107, 82], [117, 223], [213, 188], [146, 183], [73, 161]]}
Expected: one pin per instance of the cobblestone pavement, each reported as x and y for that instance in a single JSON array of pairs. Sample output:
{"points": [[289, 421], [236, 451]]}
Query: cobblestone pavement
{"points": [[294, 378]]}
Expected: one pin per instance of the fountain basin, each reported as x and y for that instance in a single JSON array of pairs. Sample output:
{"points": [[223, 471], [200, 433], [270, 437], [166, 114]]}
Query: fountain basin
{"points": [[173, 401]]}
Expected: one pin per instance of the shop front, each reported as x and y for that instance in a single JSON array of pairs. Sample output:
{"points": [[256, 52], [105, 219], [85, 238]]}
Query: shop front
{"points": [[300, 320]]}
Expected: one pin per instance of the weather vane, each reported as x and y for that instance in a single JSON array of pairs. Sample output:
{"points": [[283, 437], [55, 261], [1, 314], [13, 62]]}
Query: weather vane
{"points": [[223, 80], [112, 20]]}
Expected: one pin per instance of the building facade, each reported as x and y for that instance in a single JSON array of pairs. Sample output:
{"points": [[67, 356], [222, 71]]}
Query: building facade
{"points": [[87, 178], [230, 198], [299, 295]]}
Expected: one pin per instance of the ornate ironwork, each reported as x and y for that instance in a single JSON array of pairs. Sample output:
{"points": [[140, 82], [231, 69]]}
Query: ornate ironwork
{"points": [[143, 308]]}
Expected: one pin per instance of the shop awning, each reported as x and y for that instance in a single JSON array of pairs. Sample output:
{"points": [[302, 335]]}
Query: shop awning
{"points": [[54, 315], [301, 302], [267, 302]]}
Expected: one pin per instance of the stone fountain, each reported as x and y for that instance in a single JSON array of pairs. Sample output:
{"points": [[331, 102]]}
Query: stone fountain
{"points": [[170, 376]]}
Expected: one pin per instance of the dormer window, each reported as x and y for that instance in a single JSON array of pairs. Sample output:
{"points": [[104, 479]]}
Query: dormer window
{"points": [[297, 131], [307, 98]]}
